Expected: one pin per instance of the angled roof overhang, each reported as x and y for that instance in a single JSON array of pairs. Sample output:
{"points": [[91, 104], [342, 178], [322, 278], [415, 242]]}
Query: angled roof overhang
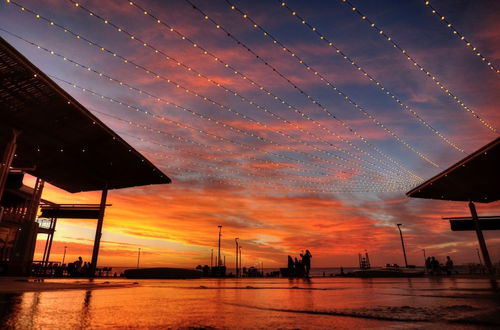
{"points": [[60, 141], [475, 178]]}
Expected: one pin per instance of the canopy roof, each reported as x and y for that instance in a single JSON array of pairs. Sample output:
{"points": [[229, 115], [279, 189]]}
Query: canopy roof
{"points": [[60, 141], [475, 178], [467, 223]]}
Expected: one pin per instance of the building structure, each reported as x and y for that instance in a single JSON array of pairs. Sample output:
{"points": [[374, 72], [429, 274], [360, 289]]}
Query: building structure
{"points": [[474, 179], [48, 134]]}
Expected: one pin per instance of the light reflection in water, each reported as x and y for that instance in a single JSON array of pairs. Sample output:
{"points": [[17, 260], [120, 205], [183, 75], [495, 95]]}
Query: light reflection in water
{"points": [[259, 303]]}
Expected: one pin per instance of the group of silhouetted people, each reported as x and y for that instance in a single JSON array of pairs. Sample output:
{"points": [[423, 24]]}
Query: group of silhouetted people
{"points": [[300, 268], [78, 268], [434, 267]]}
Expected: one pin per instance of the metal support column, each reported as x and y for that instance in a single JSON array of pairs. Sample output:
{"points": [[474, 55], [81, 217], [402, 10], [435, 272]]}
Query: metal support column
{"points": [[8, 157], [402, 243], [51, 237], [98, 232], [480, 238]]}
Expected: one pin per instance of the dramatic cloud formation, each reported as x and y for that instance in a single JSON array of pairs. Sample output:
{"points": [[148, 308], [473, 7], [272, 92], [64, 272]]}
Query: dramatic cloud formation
{"points": [[259, 143]]}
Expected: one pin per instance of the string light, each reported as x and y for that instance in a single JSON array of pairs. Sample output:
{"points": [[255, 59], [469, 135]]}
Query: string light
{"points": [[385, 91], [114, 54], [193, 154], [283, 186], [372, 187], [422, 69], [363, 188], [163, 118], [178, 124], [218, 105], [460, 36], [149, 113], [309, 97], [206, 17], [244, 99], [334, 88], [91, 43], [119, 29]]}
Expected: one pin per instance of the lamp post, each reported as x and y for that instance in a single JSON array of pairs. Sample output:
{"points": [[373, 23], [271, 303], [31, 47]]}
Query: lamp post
{"points": [[64, 255], [138, 257], [218, 254], [240, 260], [236, 266], [402, 243], [211, 259]]}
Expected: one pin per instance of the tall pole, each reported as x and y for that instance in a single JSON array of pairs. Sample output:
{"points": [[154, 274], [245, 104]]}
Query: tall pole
{"points": [[480, 238], [218, 259], [402, 243], [98, 232], [240, 262], [138, 257], [236, 266], [425, 257], [211, 259], [64, 255]]}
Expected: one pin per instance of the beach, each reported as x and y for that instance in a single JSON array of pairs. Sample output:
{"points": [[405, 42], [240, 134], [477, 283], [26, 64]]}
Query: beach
{"points": [[320, 303]]}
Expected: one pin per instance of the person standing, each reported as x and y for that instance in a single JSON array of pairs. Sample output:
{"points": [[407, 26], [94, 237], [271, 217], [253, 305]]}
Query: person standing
{"points": [[290, 266], [436, 269], [428, 265], [306, 261], [449, 265]]}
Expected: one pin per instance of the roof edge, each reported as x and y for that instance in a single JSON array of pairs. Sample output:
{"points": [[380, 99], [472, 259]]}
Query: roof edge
{"points": [[461, 162]]}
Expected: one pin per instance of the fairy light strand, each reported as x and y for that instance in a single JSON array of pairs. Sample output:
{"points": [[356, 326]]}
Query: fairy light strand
{"points": [[331, 85], [226, 89], [176, 123], [163, 118], [260, 179], [376, 187], [260, 88], [461, 37], [79, 37], [137, 66], [218, 105], [371, 188], [305, 94], [328, 83], [421, 68]]}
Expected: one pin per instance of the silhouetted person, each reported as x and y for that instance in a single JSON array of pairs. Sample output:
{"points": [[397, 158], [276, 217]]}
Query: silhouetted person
{"points": [[78, 263], [291, 265], [435, 266], [428, 265], [306, 261], [299, 268], [449, 265]]}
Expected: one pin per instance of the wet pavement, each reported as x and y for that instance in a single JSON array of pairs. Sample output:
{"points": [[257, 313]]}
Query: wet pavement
{"points": [[321, 303]]}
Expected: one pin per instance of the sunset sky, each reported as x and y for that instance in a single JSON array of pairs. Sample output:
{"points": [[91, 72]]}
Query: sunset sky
{"points": [[294, 126]]}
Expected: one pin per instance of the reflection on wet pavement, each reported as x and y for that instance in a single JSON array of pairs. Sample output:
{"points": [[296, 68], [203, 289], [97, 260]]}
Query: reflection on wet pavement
{"points": [[261, 303]]}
